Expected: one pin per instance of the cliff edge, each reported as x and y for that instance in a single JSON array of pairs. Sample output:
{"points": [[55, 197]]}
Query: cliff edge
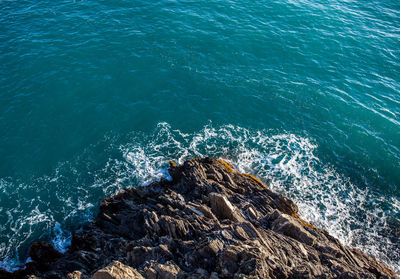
{"points": [[210, 221]]}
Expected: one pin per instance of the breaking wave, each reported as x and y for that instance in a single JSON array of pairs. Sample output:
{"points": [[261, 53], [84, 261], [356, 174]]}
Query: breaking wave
{"points": [[51, 207]]}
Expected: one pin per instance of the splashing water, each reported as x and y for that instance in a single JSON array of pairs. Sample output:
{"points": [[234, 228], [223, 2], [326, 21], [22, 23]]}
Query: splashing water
{"points": [[53, 206]]}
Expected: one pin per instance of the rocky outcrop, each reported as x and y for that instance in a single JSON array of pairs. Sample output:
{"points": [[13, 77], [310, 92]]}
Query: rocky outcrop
{"points": [[210, 221]]}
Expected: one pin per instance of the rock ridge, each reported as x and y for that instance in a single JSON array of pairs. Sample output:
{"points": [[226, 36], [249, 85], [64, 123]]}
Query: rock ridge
{"points": [[209, 221]]}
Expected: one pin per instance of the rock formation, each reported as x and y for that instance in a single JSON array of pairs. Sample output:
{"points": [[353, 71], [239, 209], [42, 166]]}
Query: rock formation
{"points": [[210, 221]]}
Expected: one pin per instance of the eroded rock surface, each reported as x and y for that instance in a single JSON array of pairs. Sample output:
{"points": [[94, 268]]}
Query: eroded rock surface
{"points": [[117, 270], [210, 221]]}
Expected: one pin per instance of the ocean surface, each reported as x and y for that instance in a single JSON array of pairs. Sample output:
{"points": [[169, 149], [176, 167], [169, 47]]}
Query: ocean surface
{"points": [[96, 96]]}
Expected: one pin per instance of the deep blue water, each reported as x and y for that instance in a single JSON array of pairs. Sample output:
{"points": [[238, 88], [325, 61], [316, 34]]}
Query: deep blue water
{"points": [[99, 95]]}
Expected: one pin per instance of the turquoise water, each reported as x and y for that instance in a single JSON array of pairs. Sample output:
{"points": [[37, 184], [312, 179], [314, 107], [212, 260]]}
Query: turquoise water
{"points": [[99, 95]]}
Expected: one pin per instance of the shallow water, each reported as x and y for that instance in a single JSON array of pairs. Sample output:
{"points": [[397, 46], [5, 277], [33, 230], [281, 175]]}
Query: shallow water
{"points": [[96, 96]]}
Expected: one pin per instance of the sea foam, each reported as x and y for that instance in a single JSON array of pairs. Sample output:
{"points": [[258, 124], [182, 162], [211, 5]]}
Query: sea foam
{"points": [[288, 163]]}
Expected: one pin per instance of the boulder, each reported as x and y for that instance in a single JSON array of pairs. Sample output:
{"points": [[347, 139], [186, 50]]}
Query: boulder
{"points": [[223, 208], [167, 271], [292, 227], [117, 270]]}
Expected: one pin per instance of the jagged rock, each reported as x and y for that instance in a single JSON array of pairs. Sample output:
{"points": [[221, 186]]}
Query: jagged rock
{"points": [[43, 253], [167, 271], [173, 227], [150, 273], [210, 221], [117, 270], [289, 226], [211, 248], [222, 207], [74, 275]]}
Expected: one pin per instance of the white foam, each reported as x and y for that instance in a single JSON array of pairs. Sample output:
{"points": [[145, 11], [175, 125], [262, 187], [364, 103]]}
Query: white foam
{"points": [[62, 239], [287, 161]]}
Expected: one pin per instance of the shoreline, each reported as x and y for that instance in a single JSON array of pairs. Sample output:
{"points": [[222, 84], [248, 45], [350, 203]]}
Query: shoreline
{"points": [[197, 225]]}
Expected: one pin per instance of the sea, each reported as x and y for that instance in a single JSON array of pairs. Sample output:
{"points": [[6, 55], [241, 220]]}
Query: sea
{"points": [[97, 96]]}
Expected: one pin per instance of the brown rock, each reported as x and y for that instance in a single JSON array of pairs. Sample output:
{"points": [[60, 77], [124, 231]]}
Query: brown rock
{"points": [[167, 271], [74, 275], [223, 208], [290, 226], [211, 248], [117, 270], [151, 273], [210, 221], [174, 227]]}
